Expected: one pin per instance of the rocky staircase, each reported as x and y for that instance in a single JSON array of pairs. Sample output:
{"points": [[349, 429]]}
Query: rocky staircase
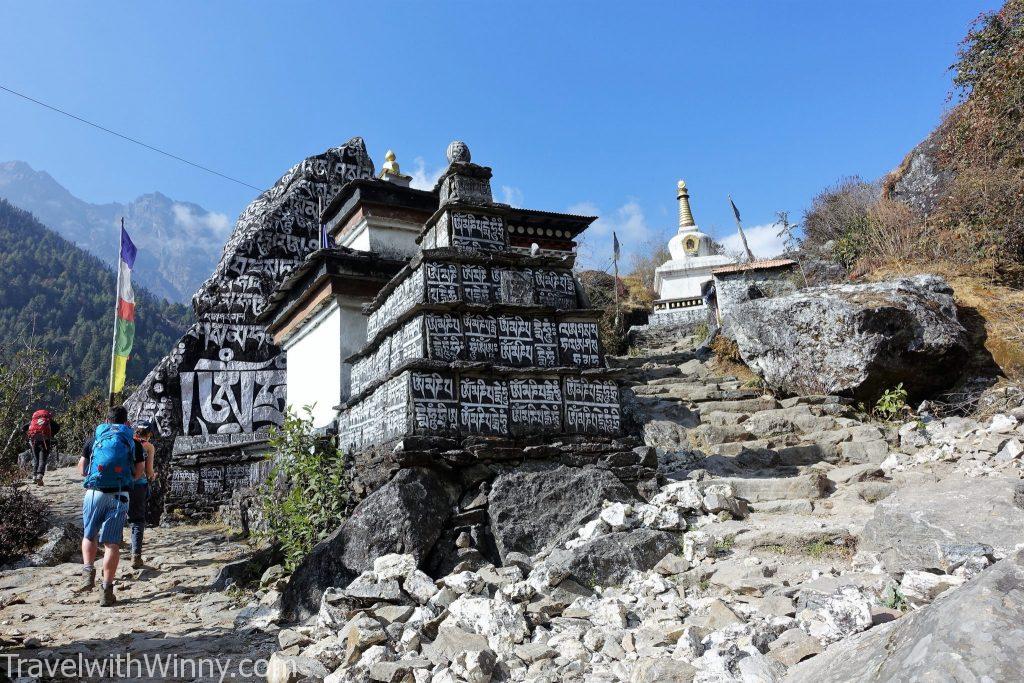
{"points": [[806, 467]]}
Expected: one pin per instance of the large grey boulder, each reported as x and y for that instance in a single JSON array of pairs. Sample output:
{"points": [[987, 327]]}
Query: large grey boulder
{"points": [[607, 560], [855, 340], [531, 508], [405, 515], [933, 526], [973, 633]]}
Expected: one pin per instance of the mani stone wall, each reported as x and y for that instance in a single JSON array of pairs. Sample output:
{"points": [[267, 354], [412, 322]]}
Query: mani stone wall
{"points": [[223, 386], [473, 339]]}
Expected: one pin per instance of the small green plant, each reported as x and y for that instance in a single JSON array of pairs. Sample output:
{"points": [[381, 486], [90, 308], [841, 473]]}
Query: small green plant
{"points": [[701, 331], [893, 598], [704, 584], [724, 544], [823, 548], [892, 403], [306, 495], [818, 549], [773, 548]]}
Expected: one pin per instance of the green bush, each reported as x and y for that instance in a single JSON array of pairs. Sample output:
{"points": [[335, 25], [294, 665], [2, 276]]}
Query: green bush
{"points": [[79, 419], [306, 495], [892, 403]]}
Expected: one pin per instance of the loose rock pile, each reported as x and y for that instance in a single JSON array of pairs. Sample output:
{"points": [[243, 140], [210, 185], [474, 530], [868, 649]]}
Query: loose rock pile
{"points": [[782, 532]]}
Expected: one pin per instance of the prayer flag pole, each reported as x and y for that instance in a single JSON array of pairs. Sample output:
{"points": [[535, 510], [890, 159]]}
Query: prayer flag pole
{"points": [[124, 316]]}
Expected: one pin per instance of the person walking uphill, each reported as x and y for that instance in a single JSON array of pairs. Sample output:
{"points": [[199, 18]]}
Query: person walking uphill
{"points": [[110, 463], [40, 432], [140, 492]]}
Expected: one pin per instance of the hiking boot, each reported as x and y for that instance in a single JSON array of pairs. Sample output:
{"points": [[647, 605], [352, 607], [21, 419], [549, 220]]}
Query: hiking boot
{"points": [[39, 481], [88, 580], [108, 599], [137, 562]]}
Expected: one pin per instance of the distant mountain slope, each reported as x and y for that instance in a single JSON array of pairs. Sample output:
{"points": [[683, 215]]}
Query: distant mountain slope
{"points": [[179, 242], [54, 292]]}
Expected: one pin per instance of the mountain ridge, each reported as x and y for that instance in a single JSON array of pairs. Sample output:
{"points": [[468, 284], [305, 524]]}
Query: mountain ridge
{"points": [[179, 241], [61, 298]]}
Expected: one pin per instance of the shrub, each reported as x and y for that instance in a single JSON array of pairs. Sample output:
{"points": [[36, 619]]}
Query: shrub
{"points": [[27, 382], [839, 215], [983, 214], [306, 495], [79, 419], [892, 403], [22, 522], [643, 267]]}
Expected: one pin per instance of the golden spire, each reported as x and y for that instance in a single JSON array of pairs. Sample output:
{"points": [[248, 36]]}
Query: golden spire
{"points": [[390, 165], [685, 216]]}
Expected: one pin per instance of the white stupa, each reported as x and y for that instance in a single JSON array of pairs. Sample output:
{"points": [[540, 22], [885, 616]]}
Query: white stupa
{"points": [[679, 281]]}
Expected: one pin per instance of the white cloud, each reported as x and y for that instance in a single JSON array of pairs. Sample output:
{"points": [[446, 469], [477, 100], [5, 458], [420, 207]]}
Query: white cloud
{"points": [[629, 224], [764, 241], [217, 223], [422, 177], [512, 196]]}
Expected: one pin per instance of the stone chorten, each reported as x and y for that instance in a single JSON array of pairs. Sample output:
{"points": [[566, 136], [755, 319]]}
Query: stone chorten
{"points": [[477, 342], [679, 281]]}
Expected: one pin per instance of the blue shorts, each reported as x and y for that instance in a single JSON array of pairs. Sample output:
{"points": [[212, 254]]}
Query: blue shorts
{"points": [[103, 516]]}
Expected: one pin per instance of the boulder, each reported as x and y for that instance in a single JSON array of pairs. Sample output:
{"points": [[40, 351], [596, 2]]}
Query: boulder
{"points": [[406, 515], [531, 508], [247, 569], [607, 560], [932, 526], [973, 633], [285, 669], [855, 340], [60, 544]]}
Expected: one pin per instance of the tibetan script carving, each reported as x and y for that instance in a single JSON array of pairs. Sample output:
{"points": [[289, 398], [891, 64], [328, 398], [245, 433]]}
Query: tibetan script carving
{"points": [[579, 344], [483, 406], [535, 405], [591, 406]]}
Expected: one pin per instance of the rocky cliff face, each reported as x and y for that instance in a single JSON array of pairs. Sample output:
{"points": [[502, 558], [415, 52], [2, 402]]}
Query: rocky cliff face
{"points": [[922, 180], [223, 385], [179, 242]]}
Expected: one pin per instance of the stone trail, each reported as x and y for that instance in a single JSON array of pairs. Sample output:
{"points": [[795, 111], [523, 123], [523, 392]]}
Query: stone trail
{"points": [[765, 546], [165, 609]]}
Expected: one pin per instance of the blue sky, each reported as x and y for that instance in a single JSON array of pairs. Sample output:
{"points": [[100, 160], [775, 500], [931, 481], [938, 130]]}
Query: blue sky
{"points": [[582, 106]]}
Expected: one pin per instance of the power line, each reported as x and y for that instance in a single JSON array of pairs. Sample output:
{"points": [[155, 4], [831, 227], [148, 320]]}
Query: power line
{"points": [[129, 139]]}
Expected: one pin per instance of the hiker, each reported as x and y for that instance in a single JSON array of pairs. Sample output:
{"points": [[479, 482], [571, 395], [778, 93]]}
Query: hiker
{"points": [[140, 492], [111, 462], [40, 431]]}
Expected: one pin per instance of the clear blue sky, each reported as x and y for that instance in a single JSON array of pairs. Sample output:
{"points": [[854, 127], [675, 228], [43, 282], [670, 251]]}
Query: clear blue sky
{"points": [[596, 106]]}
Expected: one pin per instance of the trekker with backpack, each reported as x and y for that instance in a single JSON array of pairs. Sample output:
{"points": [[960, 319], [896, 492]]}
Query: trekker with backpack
{"points": [[140, 492], [111, 462], [40, 432]]}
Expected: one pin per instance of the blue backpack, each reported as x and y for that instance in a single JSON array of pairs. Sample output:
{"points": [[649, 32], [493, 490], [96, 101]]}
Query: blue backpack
{"points": [[113, 458]]}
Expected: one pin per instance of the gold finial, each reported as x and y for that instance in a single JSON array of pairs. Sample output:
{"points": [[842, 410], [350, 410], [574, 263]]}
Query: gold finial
{"points": [[390, 165], [685, 216]]}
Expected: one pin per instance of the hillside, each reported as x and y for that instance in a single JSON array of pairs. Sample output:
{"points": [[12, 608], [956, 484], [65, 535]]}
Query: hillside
{"points": [[54, 292], [179, 242]]}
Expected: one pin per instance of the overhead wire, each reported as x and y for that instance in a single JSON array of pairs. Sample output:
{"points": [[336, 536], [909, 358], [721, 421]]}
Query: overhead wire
{"points": [[128, 138]]}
